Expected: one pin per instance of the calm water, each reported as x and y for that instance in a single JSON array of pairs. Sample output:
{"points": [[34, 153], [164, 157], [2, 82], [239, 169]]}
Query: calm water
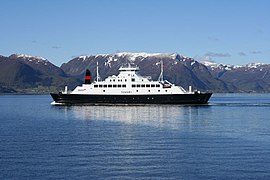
{"points": [[227, 139]]}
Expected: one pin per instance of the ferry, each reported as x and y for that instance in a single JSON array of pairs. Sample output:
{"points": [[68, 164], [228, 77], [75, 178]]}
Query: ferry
{"points": [[128, 88]]}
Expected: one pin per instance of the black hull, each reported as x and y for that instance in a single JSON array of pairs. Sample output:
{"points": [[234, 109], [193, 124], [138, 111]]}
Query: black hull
{"points": [[70, 99]]}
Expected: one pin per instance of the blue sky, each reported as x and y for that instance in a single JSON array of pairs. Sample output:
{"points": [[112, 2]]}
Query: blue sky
{"points": [[224, 31]]}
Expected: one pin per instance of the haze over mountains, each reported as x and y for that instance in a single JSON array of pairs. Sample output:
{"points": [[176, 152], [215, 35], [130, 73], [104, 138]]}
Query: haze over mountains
{"points": [[29, 74]]}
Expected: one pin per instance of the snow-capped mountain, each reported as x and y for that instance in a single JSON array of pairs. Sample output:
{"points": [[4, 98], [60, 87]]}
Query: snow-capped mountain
{"points": [[180, 70], [37, 62], [37, 59], [218, 66], [26, 71], [20, 71], [110, 59], [252, 77], [133, 56]]}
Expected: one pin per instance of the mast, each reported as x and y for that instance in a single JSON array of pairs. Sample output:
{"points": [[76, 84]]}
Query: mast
{"points": [[160, 78], [98, 77]]}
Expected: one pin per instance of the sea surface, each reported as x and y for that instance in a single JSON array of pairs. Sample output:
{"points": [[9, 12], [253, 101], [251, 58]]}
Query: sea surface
{"points": [[227, 139]]}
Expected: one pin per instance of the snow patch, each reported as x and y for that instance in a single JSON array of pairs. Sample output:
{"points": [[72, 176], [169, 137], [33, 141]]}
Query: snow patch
{"points": [[133, 56], [84, 57], [28, 56], [254, 65], [213, 66], [229, 67], [32, 59]]}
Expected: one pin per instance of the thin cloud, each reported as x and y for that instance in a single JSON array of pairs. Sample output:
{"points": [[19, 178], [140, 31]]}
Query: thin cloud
{"points": [[56, 47], [255, 52], [213, 54], [213, 39], [242, 54]]}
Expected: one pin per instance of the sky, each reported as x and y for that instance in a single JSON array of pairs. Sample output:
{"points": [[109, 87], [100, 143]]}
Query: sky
{"points": [[224, 31]]}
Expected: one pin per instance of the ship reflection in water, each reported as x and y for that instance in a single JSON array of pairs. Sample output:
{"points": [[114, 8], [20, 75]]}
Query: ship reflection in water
{"points": [[173, 117]]}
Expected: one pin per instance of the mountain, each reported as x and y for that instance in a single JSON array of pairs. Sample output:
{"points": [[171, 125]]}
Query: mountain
{"points": [[178, 69], [24, 73], [253, 77], [21, 73]]}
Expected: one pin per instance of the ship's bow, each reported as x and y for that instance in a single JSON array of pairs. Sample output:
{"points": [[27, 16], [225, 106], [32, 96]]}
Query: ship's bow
{"points": [[56, 97]]}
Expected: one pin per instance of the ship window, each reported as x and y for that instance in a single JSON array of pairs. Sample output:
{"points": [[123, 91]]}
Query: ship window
{"points": [[147, 85], [123, 85], [126, 80], [158, 90], [105, 85], [103, 90], [143, 85], [152, 85], [157, 85], [119, 85], [133, 79], [114, 85], [100, 85], [165, 90], [95, 86], [148, 90], [138, 85], [109, 85], [137, 90], [133, 85], [114, 80]]}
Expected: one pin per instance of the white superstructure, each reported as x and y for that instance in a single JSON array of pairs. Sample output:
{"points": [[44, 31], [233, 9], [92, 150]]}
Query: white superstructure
{"points": [[129, 82]]}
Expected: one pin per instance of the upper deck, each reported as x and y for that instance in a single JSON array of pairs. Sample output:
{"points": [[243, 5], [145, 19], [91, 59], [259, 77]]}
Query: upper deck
{"points": [[128, 68]]}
